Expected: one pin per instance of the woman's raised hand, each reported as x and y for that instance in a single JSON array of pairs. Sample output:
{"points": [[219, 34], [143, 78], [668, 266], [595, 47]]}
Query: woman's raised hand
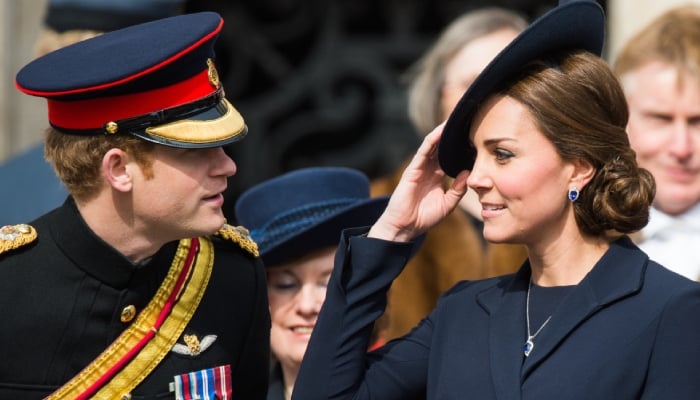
{"points": [[420, 201]]}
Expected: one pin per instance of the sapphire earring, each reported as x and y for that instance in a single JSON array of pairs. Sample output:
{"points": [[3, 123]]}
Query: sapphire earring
{"points": [[573, 194]]}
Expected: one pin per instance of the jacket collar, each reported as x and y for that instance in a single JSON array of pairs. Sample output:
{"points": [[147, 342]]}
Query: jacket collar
{"points": [[619, 273], [90, 253]]}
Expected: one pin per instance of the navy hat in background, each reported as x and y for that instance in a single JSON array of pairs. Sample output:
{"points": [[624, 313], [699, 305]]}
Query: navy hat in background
{"points": [[305, 210], [572, 25], [155, 80]]}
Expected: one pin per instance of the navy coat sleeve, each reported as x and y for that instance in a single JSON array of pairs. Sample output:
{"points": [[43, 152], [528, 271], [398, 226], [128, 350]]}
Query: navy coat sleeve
{"points": [[335, 362]]}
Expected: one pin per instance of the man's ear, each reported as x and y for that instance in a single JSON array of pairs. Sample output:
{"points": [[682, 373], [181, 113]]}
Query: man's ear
{"points": [[115, 169]]}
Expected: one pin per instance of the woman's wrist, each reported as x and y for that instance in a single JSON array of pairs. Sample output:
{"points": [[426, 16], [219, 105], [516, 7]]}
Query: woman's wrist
{"points": [[389, 233]]}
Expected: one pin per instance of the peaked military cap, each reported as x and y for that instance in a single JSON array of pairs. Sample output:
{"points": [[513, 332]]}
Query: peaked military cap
{"points": [[155, 80], [572, 25]]}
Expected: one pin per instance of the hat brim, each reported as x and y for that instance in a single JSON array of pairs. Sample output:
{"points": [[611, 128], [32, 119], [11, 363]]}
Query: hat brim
{"points": [[325, 233], [576, 25], [217, 126]]}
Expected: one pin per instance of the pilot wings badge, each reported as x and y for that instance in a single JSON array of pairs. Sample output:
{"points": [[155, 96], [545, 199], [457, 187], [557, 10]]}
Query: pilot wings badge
{"points": [[193, 346]]}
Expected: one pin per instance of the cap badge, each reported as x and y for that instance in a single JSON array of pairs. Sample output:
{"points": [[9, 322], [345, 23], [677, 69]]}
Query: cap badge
{"points": [[213, 74], [111, 127]]}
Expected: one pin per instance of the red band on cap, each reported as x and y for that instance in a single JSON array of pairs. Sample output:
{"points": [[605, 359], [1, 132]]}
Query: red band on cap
{"points": [[95, 113]]}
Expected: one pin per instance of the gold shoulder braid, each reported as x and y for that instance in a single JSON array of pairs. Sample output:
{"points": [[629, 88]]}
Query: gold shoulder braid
{"points": [[240, 236], [15, 236]]}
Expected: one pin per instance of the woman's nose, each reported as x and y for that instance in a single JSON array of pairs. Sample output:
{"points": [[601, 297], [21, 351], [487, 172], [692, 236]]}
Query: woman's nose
{"points": [[309, 299]]}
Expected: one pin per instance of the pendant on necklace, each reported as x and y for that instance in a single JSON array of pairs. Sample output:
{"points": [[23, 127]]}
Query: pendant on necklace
{"points": [[529, 345]]}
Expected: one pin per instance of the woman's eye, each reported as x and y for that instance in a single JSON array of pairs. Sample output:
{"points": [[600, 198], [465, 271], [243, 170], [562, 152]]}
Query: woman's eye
{"points": [[281, 282], [502, 154], [284, 285]]}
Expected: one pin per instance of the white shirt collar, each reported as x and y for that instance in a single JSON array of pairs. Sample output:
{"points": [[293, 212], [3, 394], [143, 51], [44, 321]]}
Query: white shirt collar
{"points": [[673, 241], [659, 221]]}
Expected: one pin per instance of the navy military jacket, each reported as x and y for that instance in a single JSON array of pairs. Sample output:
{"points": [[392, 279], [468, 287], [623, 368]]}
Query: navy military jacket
{"points": [[63, 295], [628, 330]]}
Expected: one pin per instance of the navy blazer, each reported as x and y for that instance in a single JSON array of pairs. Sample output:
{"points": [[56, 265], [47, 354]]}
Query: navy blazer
{"points": [[629, 330]]}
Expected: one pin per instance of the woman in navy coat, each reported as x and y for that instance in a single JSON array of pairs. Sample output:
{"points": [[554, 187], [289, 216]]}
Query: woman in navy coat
{"points": [[540, 137]]}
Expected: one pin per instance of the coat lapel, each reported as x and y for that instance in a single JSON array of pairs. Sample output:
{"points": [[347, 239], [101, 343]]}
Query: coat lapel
{"points": [[506, 305], [617, 274]]}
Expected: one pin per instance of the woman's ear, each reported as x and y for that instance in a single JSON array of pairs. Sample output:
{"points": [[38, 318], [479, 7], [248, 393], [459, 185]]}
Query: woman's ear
{"points": [[115, 169], [583, 173]]}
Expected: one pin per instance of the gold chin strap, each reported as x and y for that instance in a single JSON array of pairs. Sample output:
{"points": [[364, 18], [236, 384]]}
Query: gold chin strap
{"points": [[104, 378]]}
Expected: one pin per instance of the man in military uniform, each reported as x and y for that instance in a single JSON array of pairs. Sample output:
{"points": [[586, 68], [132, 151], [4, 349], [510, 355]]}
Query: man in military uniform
{"points": [[135, 287]]}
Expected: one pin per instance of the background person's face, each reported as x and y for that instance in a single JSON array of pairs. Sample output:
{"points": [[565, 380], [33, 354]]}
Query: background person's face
{"points": [[296, 292], [664, 130]]}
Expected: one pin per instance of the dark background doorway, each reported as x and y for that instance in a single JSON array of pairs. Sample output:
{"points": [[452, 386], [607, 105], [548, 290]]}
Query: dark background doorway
{"points": [[319, 82]]}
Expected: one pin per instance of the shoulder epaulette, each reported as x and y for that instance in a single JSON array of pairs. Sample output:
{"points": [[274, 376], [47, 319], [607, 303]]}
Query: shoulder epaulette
{"points": [[15, 236], [240, 236]]}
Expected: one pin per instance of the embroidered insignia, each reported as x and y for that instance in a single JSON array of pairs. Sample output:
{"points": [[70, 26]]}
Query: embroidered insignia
{"points": [[111, 127], [193, 346], [240, 236], [15, 236], [212, 74]]}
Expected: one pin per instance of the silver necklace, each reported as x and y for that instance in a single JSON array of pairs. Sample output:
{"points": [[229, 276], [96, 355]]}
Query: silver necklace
{"points": [[529, 343]]}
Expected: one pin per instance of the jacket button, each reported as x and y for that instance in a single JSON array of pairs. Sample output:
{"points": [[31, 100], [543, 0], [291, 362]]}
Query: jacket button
{"points": [[128, 313], [126, 396]]}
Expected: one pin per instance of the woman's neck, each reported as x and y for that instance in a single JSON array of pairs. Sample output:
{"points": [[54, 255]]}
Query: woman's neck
{"points": [[567, 262], [289, 376]]}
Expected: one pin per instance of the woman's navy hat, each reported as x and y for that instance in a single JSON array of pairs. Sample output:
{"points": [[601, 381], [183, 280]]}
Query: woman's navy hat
{"points": [[155, 80], [305, 210], [572, 25]]}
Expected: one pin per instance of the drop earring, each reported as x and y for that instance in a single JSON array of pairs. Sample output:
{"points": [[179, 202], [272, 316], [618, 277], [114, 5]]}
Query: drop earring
{"points": [[573, 194]]}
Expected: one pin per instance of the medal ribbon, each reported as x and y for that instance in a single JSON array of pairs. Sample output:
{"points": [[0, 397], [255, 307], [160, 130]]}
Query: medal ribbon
{"points": [[207, 384]]}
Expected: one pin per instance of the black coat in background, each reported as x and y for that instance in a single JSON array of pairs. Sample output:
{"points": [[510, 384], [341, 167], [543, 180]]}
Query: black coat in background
{"points": [[62, 297]]}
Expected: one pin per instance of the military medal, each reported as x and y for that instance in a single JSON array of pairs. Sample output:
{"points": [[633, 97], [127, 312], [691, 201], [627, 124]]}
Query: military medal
{"points": [[212, 383]]}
